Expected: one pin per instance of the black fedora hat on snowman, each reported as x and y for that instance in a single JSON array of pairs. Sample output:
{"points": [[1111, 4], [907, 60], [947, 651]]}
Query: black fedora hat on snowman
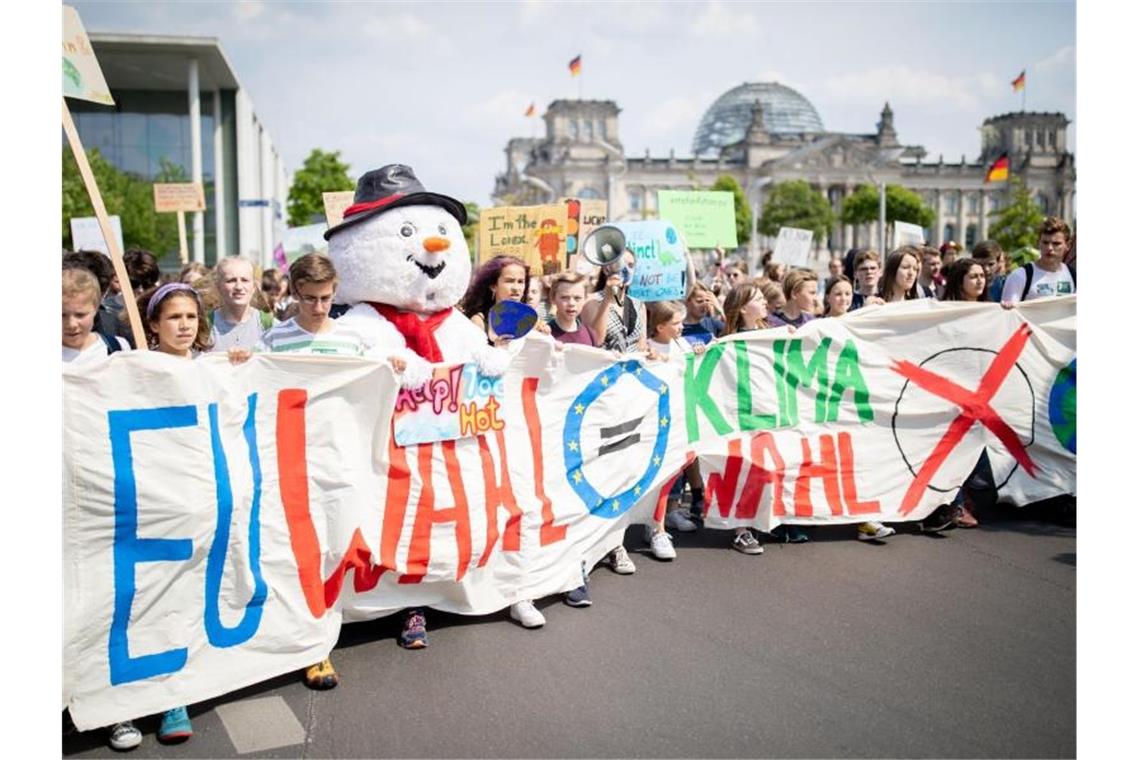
{"points": [[390, 187]]}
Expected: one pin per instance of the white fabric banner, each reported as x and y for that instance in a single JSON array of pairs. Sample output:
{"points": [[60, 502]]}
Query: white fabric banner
{"points": [[221, 522]]}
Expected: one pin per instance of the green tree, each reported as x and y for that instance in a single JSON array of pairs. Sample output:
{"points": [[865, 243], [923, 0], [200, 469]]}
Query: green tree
{"points": [[127, 196], [1016, 224], [471, 229], [795, 204], [728, 183], [862, 206], [322, 172]]}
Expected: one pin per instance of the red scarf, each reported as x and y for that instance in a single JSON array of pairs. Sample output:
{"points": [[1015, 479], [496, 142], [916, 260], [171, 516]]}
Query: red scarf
{"points": [[418, 333]]}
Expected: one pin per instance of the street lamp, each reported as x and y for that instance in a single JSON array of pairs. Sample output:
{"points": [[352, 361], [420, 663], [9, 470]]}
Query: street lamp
{"points": [[757, 186], [885, 156]]}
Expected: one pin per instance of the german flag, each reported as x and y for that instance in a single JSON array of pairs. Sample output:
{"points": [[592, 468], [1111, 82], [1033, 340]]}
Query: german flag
{"points": [[1019, 83], [530, 110], [576, 65], [999, 169]]}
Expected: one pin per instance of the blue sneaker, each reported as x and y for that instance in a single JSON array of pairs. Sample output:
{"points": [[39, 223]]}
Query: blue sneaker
{"points": [[579, 597], [414, 635], [175, 726], [790, 534]]}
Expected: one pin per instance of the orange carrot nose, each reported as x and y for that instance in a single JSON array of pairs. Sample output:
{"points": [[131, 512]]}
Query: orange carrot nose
{"points": [[436, 244]]}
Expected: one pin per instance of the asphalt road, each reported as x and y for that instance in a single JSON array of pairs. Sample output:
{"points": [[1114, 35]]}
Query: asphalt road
{"points": [[954, 645]]}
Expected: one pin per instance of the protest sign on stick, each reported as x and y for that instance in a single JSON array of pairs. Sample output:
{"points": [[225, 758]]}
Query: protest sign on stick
{"points": [[335, 204], [535, 234], [76, 38], [86, 235], [179, 197], [908, 234], [659, 252], [793, 246], [706, 218]]}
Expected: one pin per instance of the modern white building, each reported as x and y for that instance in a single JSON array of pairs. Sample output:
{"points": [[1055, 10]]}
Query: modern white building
{"points": [[178, 100]]}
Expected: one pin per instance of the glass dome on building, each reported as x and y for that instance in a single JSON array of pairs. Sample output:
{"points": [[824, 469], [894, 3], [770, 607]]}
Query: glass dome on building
{"points": [[726, 121]]}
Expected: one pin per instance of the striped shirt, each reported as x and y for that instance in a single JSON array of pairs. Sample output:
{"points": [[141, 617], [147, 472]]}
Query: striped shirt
{"points": [[290, 337]]}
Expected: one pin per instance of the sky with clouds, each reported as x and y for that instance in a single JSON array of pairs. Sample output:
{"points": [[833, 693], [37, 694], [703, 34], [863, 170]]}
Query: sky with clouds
{"points": [[443, 86]]}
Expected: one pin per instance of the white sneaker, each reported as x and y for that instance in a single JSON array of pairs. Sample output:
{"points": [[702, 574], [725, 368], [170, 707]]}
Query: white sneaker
{"points": [[662, 546], [676, 520], [618, 560], [527, 615], [873, 531], [125, 736]]}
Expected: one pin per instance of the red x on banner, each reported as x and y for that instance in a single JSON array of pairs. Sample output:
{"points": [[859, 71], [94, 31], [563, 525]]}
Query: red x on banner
{"points": [[975, 408]]}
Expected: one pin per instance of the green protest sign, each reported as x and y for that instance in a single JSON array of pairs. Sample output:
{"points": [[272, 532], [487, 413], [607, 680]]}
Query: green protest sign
{"points": [[705, 218]]}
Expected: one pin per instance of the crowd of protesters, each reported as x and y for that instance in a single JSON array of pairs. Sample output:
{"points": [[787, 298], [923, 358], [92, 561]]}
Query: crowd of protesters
{"points": [[236, 309]]}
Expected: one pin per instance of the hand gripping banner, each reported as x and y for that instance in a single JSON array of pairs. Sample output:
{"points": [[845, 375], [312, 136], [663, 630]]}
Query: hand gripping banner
{"points": [[221, 522]]}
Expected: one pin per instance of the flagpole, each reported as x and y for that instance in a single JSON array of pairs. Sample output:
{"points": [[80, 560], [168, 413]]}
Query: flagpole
{"points": [[1024, 86]]}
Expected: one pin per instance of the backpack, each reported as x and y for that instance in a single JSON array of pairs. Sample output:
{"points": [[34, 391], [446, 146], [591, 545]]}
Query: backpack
{"points": [[1029, 278], [110, 342]]}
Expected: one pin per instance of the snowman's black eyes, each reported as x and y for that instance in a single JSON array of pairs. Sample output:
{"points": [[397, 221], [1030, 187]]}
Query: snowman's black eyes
{"points": [[442, 230], [407, 230]]}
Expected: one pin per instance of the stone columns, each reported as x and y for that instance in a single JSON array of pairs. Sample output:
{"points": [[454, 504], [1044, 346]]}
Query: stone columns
{"points": [[961, 231], [848, 230], [939, 222], [199, 250], [983, 218]]}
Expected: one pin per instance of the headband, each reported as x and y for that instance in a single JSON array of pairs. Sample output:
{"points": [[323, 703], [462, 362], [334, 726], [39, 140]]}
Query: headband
{"points": [[162, 293]]}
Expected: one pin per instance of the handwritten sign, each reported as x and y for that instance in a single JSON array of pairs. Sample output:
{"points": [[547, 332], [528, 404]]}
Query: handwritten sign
{"points": [[659, 271], [82, 77], [179, 196], [86, 235], [793, 246], [535, 234], [706, 218], [457, 402], [909, 234], [583, 216], [335, 204]]}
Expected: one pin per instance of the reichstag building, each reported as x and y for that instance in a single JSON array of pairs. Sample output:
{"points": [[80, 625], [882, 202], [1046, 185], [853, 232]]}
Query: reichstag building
{"points": [[765, 132]]}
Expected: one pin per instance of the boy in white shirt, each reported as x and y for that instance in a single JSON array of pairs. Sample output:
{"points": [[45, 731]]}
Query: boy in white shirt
{"points": [[81, 297], [1049, 276]]}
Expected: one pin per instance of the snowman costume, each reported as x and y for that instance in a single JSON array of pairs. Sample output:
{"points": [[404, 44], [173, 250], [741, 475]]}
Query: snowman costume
{"points": [[402, 260]]}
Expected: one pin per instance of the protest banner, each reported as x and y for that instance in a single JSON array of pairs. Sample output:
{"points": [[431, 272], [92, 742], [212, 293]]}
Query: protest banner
{"points": [[659, 271], [793, 246], [179, 197], [213, 516], [906, 233], [706, 218], [535, 234], [82, 77], [86, 235], [81, 68], [335, 204]]}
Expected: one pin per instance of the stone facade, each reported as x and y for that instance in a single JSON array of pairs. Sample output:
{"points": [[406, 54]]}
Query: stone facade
{"points": [[582, 155]]}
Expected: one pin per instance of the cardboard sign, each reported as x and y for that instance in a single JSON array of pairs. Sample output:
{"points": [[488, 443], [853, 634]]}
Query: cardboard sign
{"points": [[335, 204], [909, 234], [583, 216], [793, 246], [457, 402], [706, 218], [179, 196], [535, 234], [659, 272], [82, 77], [86, 235]]}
